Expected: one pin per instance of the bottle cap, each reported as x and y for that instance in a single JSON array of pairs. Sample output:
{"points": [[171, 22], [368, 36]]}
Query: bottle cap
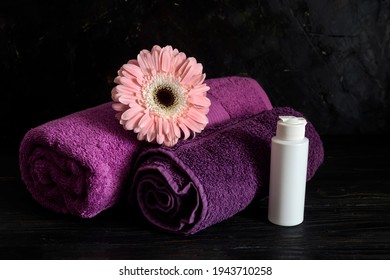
{"points": [[291, 128]]}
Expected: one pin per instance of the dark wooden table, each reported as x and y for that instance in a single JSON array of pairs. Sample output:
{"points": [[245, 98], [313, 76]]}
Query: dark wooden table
{"points": [[347, 217]]}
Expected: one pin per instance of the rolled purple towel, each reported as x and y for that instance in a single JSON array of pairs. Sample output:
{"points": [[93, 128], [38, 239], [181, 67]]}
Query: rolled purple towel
{"points": [[204, 181], [78, 164]]}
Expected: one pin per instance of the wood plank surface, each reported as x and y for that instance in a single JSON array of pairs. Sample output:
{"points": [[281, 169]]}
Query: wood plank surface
{"points": [[347, 217]]}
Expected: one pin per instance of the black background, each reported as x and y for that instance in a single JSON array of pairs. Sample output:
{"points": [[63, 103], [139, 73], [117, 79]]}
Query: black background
{"points": [[326, 59]]}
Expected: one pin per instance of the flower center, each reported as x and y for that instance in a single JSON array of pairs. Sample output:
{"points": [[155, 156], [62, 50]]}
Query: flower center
{"points": [[165, 96]]}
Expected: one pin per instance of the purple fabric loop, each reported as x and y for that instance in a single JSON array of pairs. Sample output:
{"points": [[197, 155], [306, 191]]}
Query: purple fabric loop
{"points": [[207, 180], [79, 164]]}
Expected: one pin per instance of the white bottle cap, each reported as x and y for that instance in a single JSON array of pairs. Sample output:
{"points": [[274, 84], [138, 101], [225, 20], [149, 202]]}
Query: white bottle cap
{"points": [[291, 128]]}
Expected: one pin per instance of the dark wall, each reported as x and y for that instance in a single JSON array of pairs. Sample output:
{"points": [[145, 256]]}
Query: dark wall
{"points": [[327, 59]]}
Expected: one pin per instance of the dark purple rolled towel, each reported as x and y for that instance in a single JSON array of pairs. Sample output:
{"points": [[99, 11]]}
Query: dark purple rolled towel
{"points": [[78, 164], [204, 181]]}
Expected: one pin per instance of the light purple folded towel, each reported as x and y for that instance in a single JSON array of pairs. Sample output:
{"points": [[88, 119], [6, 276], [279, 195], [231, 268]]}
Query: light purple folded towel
{"points": [[198, 183], [79, 164]]}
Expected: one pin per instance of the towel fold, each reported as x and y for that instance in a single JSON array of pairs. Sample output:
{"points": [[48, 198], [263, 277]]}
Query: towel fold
{"points": [[204, 181], [79, 164]]}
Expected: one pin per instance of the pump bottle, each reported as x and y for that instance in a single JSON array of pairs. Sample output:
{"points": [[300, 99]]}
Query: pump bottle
{"points": [[288, 172]]}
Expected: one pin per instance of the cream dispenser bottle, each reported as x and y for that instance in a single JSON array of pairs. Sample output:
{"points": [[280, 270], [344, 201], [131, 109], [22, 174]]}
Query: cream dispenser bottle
{"points": [[288, 171]]}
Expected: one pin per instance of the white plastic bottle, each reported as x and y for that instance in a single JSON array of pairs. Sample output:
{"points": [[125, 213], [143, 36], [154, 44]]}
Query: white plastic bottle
{"points": [[289, 154]]}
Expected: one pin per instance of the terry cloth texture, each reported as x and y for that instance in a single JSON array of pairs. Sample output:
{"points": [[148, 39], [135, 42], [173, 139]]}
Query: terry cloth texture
{"points": [[198, 183], [79, 164]]}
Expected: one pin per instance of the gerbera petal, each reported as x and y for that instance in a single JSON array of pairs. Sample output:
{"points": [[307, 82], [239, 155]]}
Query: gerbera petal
{"points": [[147, 126], [199, 89], [119, 107], [116, 79], [165, 61], [151, 134], [190, 76], [185, 67], [189, 69], [121, 90], [134, 70], [156, 58], [160, 135], [199, 100], [126, 95], [198, 68], [144, 59], [176, 129], [195, 79], [130, 113], [168, 49], [202, 78], [145, 120], [156, 48], [129, 82], [114, 92], [133, 61], [141, 136], [123, 73], [125, 99], [166, 126], [171, 134], [197, 116], [169, 143], [175, 52], [118, 115], [180, 59], [131, 124], [191, 124], [185, 130], [134, 88], [203, 110]]}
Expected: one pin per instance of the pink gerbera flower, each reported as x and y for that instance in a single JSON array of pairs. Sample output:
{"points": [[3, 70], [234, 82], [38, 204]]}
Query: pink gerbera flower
{"points": [[161, 96]]}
